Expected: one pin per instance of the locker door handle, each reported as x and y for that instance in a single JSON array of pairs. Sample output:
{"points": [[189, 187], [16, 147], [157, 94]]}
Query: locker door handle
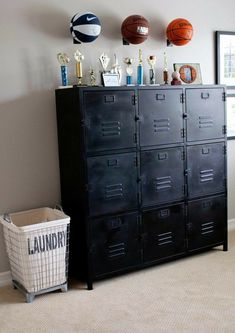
{"points": [[188, 172], [160, 97], [205, 151], [205, 95], [109, 98]]}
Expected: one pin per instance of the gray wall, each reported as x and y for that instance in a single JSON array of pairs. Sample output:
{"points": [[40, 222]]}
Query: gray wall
{"points": [[32, 33]]}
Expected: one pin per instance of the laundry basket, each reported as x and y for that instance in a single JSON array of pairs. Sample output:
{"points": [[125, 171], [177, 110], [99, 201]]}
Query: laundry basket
{"points": [[37, 244]]}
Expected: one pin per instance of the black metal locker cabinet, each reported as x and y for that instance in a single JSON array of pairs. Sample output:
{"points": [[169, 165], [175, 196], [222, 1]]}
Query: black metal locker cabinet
{"points": [[162, 175], [115, 243], [112, 183], [143, 174], [109, 120], [161, 116], [207, 220], [206, 169], [163, 232], [205, 116]]}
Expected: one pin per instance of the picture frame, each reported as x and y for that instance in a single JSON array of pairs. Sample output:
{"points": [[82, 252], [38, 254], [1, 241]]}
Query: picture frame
{"points": [[225, 73], [110, 79], [225, 58], [190, 73]]}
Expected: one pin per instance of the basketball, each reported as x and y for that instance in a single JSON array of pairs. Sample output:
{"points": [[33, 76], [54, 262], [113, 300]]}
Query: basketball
{"points": [[85, 28], [179, 31], [135, 29]]}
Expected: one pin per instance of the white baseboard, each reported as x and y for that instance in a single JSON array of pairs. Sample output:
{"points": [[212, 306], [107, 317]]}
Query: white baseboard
{"points": [[231, 224], [5, 278]]}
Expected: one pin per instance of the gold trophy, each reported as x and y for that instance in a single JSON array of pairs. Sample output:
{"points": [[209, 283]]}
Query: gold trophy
{"points": [[152, 61], [92, 77], [78, 56]]}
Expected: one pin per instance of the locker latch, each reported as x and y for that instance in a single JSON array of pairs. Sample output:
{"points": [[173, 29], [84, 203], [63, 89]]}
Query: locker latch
{"points": [[182, 98], [224, 129]]}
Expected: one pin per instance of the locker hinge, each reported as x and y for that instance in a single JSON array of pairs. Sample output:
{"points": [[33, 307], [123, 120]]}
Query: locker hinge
{"points": [[224, 129], [183, 155], [185, 189], [225, 150], [135, 137], [186, 243], [136, 161], [224, 96], [182, 98], [134, 99], [225, 182], [182, 133]]}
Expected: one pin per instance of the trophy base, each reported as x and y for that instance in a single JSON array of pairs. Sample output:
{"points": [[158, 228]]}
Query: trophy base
{"points": [[64, 87]]}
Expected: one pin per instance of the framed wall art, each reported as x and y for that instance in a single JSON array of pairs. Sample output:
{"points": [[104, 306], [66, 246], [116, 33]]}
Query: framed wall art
{"points": [[225, 73], [189, 73]]}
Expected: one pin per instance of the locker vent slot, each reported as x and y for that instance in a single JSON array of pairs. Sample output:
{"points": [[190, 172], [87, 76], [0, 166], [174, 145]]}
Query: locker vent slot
{"points": [[207, 228], [206, 175], [163, 183], [161, 125], [116, 250], [165, 238], [113, 191], [110, 128], [205, 121]]}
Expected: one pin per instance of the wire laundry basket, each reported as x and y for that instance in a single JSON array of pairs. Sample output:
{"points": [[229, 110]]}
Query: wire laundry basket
{"points": [[37, 244]]}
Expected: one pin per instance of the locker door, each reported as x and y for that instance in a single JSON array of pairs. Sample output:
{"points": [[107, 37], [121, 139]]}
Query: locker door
{"points": [[207, 220], [115, 242], [205, 109], [206, 169], [164, 232], [109, 120], [112, 183], [161, 120], [162, 175]]}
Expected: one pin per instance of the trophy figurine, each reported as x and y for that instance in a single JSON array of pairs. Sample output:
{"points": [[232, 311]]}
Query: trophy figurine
{"points": [[165, 70], [78, 56], [129, 70], [116, 69], [175, 78], [104, 60], [152, 61], [92, 77], [140, 72], [63, 60]]}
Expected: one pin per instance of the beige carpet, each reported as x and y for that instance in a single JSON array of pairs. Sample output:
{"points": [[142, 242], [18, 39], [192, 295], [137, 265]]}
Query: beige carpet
{"points": [[195, 294]]}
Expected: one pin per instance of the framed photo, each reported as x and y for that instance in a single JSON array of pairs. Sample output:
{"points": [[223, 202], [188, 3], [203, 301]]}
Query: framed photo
{"points": [[189, 73], [225, 58], [110, 80], [225, 73]]}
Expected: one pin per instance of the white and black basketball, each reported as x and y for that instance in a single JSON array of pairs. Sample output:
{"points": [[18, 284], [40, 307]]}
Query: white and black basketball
{"points": [[85, 28]]}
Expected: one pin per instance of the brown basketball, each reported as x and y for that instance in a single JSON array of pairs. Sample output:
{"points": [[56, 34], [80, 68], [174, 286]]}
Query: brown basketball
{"points": [[179, 31], [135, 29]]}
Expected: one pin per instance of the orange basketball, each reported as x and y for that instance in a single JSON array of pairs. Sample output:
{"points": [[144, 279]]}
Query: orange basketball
{"points": [[179, 31], [135, 29]]}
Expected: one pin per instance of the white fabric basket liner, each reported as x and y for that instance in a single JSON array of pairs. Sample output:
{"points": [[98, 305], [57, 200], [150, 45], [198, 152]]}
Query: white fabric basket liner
{"points": [[36, 242]]}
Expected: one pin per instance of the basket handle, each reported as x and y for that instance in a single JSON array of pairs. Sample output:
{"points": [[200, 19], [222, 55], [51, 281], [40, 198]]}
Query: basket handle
{"points": [[59, 207], [7, 218]]}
